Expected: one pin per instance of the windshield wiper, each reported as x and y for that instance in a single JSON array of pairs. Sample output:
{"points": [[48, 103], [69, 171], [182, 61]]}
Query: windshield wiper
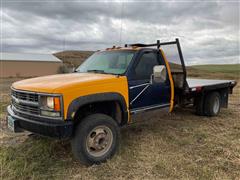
{"points": [[96, 71]]}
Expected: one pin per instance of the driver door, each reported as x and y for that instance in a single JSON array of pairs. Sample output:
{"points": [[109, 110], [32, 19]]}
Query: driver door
{"points": [[142, 93]]}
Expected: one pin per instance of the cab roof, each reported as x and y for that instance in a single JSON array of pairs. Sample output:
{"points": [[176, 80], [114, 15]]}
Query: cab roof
{"points": [[129, 48], [123, 48], [138, 46]]}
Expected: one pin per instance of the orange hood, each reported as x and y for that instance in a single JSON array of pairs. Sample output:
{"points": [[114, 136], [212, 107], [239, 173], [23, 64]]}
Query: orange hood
{"points": [[49, 84]]}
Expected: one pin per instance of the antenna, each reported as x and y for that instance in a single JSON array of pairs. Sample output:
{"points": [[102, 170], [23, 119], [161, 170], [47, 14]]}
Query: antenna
{"points": [[64, 44], [120, 38]]}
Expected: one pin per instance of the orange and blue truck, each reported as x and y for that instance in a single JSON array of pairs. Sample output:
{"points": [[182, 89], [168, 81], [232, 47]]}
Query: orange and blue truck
{"points": [[89, 106]]}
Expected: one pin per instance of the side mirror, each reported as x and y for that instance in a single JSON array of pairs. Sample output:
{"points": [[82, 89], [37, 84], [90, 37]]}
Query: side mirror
{"points": [[159, 74]]}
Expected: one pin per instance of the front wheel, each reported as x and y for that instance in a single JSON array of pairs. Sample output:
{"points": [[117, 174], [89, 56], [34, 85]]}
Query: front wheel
{"points": [[96, 139]]}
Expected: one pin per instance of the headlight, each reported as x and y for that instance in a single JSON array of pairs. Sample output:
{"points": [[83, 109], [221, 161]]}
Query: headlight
{"points": [[50, 102], [50, 106]]}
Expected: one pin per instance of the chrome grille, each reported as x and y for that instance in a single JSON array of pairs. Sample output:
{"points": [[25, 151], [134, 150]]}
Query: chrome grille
{"points": [[26, 103]]}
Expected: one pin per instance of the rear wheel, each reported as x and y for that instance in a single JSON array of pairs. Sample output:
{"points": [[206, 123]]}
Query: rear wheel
{"points": [[212, 104], [96, 139], [199, 103]]}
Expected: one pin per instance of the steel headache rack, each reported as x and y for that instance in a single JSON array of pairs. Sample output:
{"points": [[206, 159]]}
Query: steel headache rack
{"points": [[159, 44]]}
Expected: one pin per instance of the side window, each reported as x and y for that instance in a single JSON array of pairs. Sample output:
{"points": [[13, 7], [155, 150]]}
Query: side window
{"points": [[144, 68]]}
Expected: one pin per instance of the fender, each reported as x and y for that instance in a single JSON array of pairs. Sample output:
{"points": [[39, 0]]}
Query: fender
{"points": [[99, 97]]}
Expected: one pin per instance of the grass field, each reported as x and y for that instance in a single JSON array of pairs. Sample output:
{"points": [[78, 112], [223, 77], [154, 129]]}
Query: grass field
{"points": [[228, 71], [225, 68], [159, 145]]}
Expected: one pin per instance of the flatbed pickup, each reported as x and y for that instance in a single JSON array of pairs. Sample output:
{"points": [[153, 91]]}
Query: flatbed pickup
{"points": [[90, 105]]}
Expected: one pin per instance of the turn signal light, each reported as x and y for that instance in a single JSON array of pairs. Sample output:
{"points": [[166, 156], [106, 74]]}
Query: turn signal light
{"points": [[57, 105]]}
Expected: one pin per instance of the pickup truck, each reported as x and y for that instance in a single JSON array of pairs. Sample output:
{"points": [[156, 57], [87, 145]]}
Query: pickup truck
{"points": [[89, 106]]}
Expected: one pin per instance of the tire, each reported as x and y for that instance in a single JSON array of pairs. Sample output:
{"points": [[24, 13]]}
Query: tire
{"points": [[96, 139], [212, 104], [199, 106]]}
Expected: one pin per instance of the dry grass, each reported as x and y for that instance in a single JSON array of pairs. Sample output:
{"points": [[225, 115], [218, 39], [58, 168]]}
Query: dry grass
{"points": [[159, 145]]}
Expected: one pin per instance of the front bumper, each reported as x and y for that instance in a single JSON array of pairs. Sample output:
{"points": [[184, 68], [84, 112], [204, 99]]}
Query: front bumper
{"points": [[42, 126]]}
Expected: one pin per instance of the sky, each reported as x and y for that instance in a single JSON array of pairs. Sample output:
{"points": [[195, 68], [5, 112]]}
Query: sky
{"points": [[208, 31]]}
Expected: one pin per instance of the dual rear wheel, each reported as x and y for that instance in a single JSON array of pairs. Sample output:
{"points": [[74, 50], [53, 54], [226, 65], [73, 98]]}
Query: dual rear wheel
{"points": [[210, 105]]}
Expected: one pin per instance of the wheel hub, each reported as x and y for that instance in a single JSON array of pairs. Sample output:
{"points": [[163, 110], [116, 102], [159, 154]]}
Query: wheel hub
{"points": [[99, 141]]}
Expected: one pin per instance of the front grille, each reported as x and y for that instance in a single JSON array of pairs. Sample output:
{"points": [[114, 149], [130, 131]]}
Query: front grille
{"points": [[26, 103], [25, 96], [26, 108]]}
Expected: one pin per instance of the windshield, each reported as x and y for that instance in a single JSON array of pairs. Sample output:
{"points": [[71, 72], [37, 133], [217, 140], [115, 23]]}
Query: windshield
{"points": [[109, 62]]}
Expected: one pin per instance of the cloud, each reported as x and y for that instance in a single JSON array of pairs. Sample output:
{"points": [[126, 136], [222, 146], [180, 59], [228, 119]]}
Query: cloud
{"points": [[208, 31]]}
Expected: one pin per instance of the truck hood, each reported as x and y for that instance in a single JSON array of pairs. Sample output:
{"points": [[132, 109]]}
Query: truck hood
{"points": [[49, 84]]}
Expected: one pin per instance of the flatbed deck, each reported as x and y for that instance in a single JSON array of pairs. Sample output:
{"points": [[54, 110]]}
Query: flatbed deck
{"points": [[196, 83]]}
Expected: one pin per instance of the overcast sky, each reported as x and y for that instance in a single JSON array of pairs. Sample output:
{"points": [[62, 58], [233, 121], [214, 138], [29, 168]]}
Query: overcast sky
{"points": [[208, 31]]}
